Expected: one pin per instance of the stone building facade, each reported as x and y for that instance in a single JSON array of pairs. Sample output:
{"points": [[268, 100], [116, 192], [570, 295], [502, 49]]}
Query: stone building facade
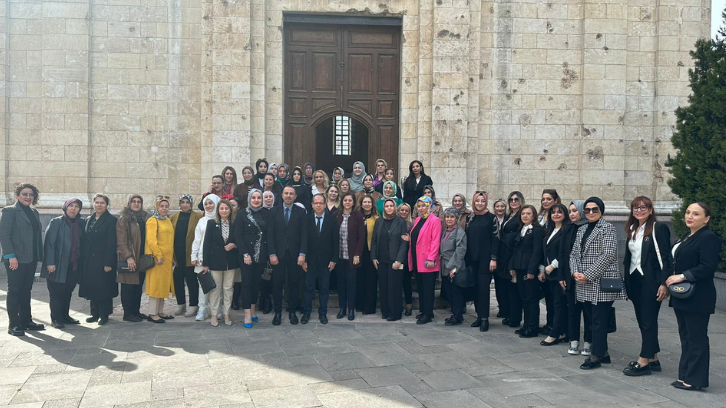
{"points": [[155, 96]]}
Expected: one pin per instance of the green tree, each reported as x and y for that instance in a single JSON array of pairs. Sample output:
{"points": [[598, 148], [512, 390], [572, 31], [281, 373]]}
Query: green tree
{"points": [[699, 166]]}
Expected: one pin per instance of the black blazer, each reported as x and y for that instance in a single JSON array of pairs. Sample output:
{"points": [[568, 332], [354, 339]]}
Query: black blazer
{"points": [[412, 194], [528, 251], [16, 234], [214, 255], [507, 234], [323, 247], [397, 247], [569, 235], [252, 239], [552, 251], [293, 237], [697, 257], [482, 242], [653, 275]]}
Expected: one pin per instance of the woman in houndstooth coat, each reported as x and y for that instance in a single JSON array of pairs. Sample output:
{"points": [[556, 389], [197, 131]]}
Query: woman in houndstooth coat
{"points": [[594, 256]]}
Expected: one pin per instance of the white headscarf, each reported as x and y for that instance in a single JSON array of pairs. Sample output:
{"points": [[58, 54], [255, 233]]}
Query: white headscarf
{"points": [[215, 199]]}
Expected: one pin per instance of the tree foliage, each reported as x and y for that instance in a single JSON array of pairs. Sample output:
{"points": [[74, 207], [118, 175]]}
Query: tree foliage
{"points": [[699, 166]]}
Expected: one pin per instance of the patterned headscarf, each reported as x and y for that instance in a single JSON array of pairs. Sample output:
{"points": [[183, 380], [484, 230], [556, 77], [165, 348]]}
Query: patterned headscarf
{"points": [[426, 200], [306, 178], [159, 200], [186, 197]]}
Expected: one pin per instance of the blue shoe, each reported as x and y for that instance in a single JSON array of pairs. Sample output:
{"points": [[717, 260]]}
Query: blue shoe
{"points": [[248, 325], [254, 319]]}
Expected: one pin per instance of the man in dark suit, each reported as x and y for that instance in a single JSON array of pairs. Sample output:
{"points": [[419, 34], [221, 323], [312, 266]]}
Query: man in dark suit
{"points": [[322, 255], [287, 253]]}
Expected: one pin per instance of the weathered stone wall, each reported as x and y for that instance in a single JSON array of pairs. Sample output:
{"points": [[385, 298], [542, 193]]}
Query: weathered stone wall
{"points": [[155, 96]]}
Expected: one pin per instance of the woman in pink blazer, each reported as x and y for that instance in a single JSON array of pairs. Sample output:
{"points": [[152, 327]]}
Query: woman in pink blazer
{"points": [[423, 255]]}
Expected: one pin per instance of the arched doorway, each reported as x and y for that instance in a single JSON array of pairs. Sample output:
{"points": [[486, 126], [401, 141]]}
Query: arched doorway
{"points": [[340, 141], [341, 66]]}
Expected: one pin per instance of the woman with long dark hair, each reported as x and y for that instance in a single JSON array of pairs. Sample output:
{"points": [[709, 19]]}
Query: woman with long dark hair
{"points": [[62, 265], [413, 186], [524, 267], [557, 223], [221, 258], [648, 264], [367, 278], [230, 180], [511, 309], [548, 199], [352, 240], [333, 199]]}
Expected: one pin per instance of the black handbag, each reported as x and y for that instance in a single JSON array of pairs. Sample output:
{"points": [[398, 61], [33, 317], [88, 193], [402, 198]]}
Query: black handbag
{"points": [[611, 285], [682, 290], [465, 277], [206, 281]]}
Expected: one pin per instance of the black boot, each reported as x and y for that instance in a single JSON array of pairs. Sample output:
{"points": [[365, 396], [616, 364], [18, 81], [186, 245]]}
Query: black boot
{"points": [[277, 320], [477, 322], [484, 325], [341, 313]]}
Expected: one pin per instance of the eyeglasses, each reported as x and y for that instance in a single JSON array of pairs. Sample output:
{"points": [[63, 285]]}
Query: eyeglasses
{"points": [[591, 210], [135, 202], [641, 208], [216, 183], [514, 200], [28, 195]]}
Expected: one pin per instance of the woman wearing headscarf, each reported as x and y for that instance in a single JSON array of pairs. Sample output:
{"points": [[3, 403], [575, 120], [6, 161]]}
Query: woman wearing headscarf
{"points": [[404, 212], [308, 171], [389, 191], [338, 174], [62, 264], [273, 169], [380, 173], [423, 256], [388, 253], [130, 245], [390, 175], [98, 282], [367, 277], [303, 192], [368, 190], [269, 185], [437, 209], [262, 166], [184, 223], [268, 200], [594, 257], [459, 202], [356, 176], [575, 309], [512, 308], [283, 174], [252, 230], [414, 184], [453, 251], [197, 254], [160, 243], [352, 239], [230, 180], [481, 255], [221, 258], [265, 301], [320, 183], [248, 182]]}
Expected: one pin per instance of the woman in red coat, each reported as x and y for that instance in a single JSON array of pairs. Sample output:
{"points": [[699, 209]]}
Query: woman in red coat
{"points": [[423, 255]]}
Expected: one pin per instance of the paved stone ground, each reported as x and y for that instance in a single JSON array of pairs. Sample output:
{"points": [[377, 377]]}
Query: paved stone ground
{"points": [[367, 363]]}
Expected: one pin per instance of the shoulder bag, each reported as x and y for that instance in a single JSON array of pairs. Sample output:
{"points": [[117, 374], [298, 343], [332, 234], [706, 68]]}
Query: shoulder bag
{"points": [[682, 290], [465, 277]]}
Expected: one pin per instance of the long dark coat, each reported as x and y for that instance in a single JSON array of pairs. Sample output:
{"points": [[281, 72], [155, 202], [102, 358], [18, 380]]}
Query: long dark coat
{"points": [[99, 251]]}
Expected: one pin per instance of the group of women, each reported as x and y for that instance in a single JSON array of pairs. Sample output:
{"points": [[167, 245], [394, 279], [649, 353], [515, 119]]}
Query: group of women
{"points": [[564, 254]]}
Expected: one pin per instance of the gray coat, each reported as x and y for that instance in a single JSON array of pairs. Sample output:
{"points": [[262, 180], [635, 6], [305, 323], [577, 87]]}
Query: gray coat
{"points": [[58, 249], [453, 250], [16, 234]]}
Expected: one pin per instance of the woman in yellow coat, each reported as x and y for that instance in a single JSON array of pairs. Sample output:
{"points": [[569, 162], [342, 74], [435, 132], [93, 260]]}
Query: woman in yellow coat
{"points": [[160, 243]]}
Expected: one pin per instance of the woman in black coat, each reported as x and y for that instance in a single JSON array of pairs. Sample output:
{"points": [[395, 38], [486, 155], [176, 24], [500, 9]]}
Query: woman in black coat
{"points": [[481, 255], [414, 184], [252, 230], [388, 253], [507, 233], [98, 282], [221, 259], [647, 264], [524, 266], [695, 259], [557, 223]]}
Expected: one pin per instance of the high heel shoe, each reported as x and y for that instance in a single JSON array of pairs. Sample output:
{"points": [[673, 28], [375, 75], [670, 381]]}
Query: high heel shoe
{"points": [[255, 319]]}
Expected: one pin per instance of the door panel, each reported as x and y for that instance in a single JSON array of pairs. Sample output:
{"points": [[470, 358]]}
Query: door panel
{"points": [[349, 70]]}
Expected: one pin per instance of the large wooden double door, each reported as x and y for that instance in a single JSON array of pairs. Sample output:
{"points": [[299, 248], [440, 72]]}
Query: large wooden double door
{"points": [[341, 70]]}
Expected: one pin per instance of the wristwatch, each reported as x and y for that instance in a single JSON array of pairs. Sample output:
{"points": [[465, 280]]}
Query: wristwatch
{"points": [[683, 276]]}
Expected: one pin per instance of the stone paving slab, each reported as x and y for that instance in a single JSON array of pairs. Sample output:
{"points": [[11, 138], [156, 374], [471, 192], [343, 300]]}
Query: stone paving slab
{"points": [[365, 363]]}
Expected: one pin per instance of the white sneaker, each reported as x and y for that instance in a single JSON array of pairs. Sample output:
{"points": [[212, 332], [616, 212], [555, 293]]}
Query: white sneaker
{"points": [[574, 346], [201, 314], [180, 309], [586, 349], [192, 311]]}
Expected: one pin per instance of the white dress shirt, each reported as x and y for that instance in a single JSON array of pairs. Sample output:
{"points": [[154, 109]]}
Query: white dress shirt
{"points": [[635, 246]]}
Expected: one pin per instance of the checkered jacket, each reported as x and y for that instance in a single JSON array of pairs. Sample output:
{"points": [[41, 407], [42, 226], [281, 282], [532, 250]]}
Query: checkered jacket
{"points": [[598, 259]]}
